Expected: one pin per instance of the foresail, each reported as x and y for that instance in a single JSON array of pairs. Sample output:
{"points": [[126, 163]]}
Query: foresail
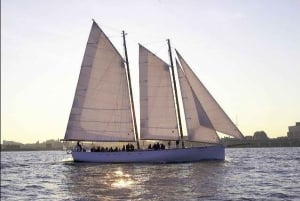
{"points": [[218, 118], [101, 107], [199, 127], [157, 105]]}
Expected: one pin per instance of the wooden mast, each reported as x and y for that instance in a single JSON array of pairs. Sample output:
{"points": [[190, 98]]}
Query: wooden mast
{"points": [[130, 93], [176, 96]]}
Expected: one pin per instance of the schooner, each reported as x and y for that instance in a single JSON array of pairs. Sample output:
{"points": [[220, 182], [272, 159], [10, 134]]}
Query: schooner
{"points": [[103, 107]]}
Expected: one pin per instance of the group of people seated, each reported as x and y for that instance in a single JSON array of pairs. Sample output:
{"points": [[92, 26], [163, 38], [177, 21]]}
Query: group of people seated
{"points": [[156, 146], [128, 147]]}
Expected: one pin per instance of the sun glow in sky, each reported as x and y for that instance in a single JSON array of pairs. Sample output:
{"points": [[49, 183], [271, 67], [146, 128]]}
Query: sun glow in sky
{"points": [[247, 53]]}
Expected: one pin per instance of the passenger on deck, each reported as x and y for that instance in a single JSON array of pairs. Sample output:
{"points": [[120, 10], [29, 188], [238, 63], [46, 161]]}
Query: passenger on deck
{"points": [[78, 147], [169, 144], [157, 145], [98, 149], [149, 146], [131, 147], [93, 149]]}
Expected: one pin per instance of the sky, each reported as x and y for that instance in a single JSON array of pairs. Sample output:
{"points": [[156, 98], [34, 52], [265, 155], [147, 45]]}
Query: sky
{"points": [[247, 54]]}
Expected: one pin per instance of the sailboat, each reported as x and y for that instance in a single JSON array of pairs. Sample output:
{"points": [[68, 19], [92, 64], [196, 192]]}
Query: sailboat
{"points": [[103, 108]]}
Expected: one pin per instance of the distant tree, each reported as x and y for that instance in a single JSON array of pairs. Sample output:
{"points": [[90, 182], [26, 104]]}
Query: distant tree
{"points": [[260, 135]]}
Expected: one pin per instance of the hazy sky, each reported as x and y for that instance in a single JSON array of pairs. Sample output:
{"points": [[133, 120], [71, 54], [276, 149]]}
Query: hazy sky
{"points": [[247, 53]]}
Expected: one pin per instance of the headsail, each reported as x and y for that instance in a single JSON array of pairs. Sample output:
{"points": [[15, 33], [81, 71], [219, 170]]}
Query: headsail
{"points": [[199, 127], [101, 107], [218, 118], [157, 105]]}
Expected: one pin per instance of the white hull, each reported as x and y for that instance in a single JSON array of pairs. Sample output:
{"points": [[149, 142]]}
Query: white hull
{"points": [[153, 156]]}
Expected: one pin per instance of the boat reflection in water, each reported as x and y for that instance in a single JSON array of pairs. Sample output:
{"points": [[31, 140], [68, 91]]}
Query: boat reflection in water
{"points": [[86, 181], [121, 180]]}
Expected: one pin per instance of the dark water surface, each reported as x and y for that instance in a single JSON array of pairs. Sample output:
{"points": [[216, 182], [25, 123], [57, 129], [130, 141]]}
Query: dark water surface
{"points": [[247, 174]]}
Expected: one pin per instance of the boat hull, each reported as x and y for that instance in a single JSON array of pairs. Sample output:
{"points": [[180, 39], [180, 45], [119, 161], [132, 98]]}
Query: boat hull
{"points": [[193, 154]]}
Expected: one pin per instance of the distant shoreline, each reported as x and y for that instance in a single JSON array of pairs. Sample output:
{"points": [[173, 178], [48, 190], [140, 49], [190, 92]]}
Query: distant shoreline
{"points": [[279, 142], [16, 150]]}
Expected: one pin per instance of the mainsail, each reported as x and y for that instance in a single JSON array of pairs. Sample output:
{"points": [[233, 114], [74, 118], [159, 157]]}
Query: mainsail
{"points": [[157, 105], [217, 117], [199, 127], [101, 108]]}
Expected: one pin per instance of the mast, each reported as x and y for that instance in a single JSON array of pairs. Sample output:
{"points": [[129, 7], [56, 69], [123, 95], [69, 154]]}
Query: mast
{"points": [[176, 96], [130, 91]]}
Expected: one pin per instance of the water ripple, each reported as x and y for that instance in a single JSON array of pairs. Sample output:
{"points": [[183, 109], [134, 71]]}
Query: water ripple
{"points": [[246, 174]]}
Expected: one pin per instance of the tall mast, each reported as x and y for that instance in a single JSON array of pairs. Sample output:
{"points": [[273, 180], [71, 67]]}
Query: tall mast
{"points": [[130, 91], [176, 96]]}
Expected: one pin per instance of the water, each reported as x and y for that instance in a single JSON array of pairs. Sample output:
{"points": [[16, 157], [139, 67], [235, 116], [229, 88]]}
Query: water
{"points": [[247, 174]]}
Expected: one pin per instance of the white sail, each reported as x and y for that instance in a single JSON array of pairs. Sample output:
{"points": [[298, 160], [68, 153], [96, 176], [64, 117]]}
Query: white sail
{"points": [[157, 106], [218, 118], [101, 107], [199, 127]]}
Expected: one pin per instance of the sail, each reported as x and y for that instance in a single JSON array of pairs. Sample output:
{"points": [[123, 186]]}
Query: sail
{"points": [[101, 108], [199, 127], [157, 105], [218, 118]]}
